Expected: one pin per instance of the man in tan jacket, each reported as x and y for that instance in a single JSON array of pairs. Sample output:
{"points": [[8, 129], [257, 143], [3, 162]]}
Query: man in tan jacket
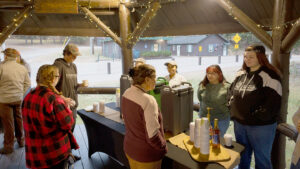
{"points": [[14, 82]]}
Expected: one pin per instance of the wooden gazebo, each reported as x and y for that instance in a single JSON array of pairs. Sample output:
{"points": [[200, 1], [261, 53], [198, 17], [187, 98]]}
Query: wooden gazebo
{"points": [[275, 22]]}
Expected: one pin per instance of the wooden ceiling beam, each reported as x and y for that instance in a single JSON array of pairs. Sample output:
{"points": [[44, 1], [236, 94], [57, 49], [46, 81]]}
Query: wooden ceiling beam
{"points": [[103, 12], [13, 3], [144, 22], [246, 22], [292, 37], [15, 24], [99, 3], [196, 29], [92, 32], [116, 3], [105, 28]]}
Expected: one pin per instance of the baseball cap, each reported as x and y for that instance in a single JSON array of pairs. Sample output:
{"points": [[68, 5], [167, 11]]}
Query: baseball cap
{"points": [[172, 62], [10, 52], [140, 60], [73, 49]]}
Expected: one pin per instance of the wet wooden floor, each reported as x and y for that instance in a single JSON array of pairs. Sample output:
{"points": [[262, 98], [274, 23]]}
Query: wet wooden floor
{"points": [[98, 160]]}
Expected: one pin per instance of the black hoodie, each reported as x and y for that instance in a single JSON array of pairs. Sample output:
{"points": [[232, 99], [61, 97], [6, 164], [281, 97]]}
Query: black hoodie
{"points": [[67, 83], [255, 97]]}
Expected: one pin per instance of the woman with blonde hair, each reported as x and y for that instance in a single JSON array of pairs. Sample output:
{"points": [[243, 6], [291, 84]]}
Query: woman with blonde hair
{"points": [[47, 123], [144, 142]]}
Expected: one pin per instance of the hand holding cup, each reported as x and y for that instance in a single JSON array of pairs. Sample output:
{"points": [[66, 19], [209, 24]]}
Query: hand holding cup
{"points": [[85, 83]]}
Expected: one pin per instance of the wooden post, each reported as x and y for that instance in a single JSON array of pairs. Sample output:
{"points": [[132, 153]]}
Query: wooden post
{"points": [[246, 22], [200, 60], [124, 15], [14, 25], [102, 25], [278, 151], [108, 68]]}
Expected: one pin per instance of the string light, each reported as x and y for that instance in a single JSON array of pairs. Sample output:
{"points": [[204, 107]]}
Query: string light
{"points": [[278, 27]]}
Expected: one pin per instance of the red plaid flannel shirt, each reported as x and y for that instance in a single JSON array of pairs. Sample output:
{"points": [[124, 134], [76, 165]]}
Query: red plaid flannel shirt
{"points": [[47, 123]]}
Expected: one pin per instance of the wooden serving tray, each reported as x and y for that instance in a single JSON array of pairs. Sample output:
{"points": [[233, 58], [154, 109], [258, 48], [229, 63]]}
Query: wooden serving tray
{"points": [[215, 155]]}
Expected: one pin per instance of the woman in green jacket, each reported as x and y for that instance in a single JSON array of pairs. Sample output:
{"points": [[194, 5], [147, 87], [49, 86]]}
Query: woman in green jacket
{"points": [[212, 93]]}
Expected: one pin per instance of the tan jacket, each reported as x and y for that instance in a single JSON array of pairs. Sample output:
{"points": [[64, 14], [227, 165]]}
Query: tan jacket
{"points": [[296, 154], [14, 81]]}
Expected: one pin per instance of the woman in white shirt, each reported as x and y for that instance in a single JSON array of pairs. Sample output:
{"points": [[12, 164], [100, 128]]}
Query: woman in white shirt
{"points": [[173, 78]]}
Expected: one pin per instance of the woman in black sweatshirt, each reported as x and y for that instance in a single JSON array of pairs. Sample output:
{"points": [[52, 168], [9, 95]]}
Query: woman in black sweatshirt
{"points": [[254, 100]]}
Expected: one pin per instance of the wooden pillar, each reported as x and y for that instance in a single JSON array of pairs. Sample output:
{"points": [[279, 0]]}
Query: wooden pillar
{"points": [[278, 151], [14, 25], [278, 20], [124, 15]]}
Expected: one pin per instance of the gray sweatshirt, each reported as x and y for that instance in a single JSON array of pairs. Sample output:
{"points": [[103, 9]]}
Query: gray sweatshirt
{"points": [[67, 83]]}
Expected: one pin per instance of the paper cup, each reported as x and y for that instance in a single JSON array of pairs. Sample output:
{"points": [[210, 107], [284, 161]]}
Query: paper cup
{"points": [[101, 107], [228, 140], [96, 107], [85, 83], [192, 133]]}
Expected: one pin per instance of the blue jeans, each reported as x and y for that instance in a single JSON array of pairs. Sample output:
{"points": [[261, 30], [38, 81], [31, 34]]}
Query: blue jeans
{"points": [[257, 139], [297, 166]]}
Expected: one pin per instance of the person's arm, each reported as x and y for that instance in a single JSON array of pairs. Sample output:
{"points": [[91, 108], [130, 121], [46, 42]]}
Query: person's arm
{"points": [[26, 83], [63, 114], [155, 136], [269, 108]]}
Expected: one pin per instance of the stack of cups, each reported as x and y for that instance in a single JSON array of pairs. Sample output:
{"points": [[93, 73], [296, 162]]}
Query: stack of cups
{"points": [[96, 107], [192, 131], [101, 107], [204, 140], [197, 133]]}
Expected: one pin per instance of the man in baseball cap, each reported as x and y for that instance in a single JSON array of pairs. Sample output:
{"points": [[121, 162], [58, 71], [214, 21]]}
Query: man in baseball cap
{"points": [[173, 78], [72, 49], [172, 62]]}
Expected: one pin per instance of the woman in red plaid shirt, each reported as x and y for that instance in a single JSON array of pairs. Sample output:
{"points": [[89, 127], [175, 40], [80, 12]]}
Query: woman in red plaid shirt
{"points": [[47, 123]]}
